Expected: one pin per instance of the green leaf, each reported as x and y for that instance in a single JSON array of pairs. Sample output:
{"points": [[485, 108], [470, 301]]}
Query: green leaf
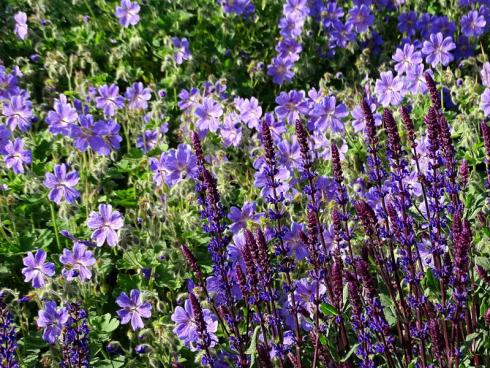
{"points": [[351, 351], [329, 310], [252, 349], [484, 262], [117, 362]]}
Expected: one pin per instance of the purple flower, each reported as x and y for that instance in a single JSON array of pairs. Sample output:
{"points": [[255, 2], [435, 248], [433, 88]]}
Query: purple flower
{"points": [[241, 217], [174, 166], [127, 13], [109, 131], [63, 117], [18, 112], [231, 130], [36, 269], [238, 7], [182, 52], [294, 243], [138, 96], [485, 102], [407, 22], [20, 25], [438, 50], [148, 140], [280, 70], [109, 99], [77, 263], [327, 115], [188, 99], [359, 123], [105, 224], [61, 184], [85, 136], [52, 320], [289, 153], [343, 34], [416, 80], [186, 327], [331, 14], [485, 74], [361, 18], [208, 114], [406, 59], [133, 309], [389, 90], [250, 111], [16, 156], [5, 134], [473, 24], [289, 104]]}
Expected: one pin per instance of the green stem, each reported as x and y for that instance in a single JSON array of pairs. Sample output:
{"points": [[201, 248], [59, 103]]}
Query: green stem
{"points": [[55, 226]]}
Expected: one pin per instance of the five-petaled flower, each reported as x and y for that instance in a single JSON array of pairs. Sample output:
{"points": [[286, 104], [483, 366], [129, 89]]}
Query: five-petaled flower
{"points": [[37, 269], [62, 184], [133, 309], [52, 320], [105, 224]]}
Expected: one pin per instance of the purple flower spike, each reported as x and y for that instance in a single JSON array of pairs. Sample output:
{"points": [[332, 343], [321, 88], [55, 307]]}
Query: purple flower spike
{"points": [[133, 309], [16, 156], [77, 263], [438, 50], [20, 25], [61, 184], [105, 223], [52, 320], [36, 269], [127, 13]]}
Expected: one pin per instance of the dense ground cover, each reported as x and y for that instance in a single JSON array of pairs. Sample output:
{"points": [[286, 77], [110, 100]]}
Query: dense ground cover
{"points": [[247, 183]]}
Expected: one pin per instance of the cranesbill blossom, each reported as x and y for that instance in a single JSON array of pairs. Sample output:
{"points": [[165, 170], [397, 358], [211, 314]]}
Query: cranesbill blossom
{"points": [[37, 269], [174, 166], [473, 24], [105, 224], [327, 115], [208, 114], [485, 74], [240, 217], [77, 263], [406, 59], [389, 90], [133, 309], [109, 131], [52, 320], [438, 50], [84, 136], [231, 130], [280, 70], [148, 140], [407, 23], [181, 46], [238, 7], [485, 102], [289, 104], [5, 134], [62, 184], [63, 117], [109, 99], [18, 112], [20, 25], [186, 327], [127, 13], [16, 156], [250, 111], [138, 96], [361, 18]]}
